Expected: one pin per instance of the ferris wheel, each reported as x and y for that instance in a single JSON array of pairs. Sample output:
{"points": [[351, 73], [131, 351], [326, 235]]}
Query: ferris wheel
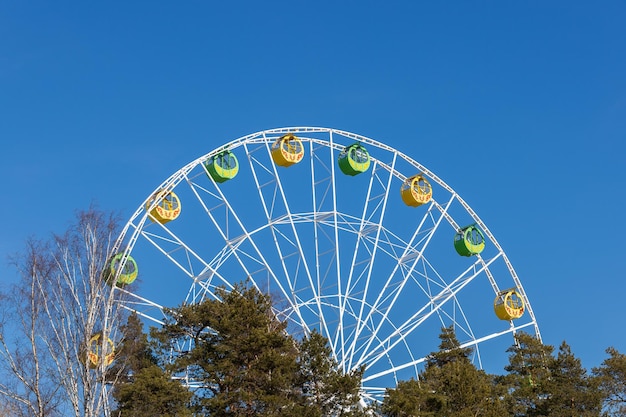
{"points": [[349, 237]]}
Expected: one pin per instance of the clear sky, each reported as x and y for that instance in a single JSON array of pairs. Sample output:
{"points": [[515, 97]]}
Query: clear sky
{"points": [[518, 106]]}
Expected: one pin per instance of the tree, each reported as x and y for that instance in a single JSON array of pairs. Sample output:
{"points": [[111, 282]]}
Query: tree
{"points": [[25, 364], [572, 391], [151, 393], [450, 375], [143, 389], [541, 384], [611, 377], [326, 389], [133, 352], [449, 386], [528, 376], [9, 410], [60, 302], [240, 353], [411, 398]]}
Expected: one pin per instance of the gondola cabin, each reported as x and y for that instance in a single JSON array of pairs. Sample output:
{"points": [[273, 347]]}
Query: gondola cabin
{"points": [[469, 241], [416, 191], [167, 206], [354, 159], [223, 166], [126, 276], [287, 150], [99, 350], [509, 305]]}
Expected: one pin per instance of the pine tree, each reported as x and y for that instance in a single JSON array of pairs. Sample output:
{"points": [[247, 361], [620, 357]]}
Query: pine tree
{"points": [[143, 389], [241, 353], [450, 386], [528, 376], [152, 392], [325, 389], [572, 392], [450, 350], [611, 377], [412, 398], [133, 352]]}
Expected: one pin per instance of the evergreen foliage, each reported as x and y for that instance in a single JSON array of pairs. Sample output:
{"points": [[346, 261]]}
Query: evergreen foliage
{"points": [[326, 390], [611, 377], [528, 376], [250, 366], [243, 357], [541, 384], [241, 353], [133, 352], [143, 388], [152, 392], [450, 386], [572, 391]]}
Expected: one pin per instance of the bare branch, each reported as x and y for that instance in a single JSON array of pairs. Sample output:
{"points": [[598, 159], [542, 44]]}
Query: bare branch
{"points": [[48, 318]]}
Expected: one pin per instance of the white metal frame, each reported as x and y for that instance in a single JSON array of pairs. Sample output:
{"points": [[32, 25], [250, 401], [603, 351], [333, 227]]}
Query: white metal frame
{"points": [[319, 281]]}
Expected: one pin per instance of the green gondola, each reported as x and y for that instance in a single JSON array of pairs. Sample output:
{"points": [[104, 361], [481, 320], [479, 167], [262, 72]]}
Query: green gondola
{"points": [[222, 166], [127, 275], [354, 159], [469, 241]]}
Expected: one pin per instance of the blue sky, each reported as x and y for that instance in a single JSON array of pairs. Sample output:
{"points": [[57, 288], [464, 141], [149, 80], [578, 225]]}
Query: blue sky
{"points": [[518, 106]]}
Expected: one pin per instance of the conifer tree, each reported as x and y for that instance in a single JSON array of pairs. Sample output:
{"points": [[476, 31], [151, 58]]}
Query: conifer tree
{"points": [[326, 390], [528, 376], [133, 352], [541, 384], [412, 398], [152, 392], [241, 353], [143, 388], [450, 386], [611, 377], [572, 391]]}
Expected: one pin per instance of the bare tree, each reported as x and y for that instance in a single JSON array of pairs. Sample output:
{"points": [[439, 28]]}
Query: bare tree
{"points": [[26, 385], [50, 316]]}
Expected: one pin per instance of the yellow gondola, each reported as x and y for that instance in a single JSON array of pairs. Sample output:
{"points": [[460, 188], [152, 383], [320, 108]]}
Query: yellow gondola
{"points": [[223, 166], [99, 351], [509, 305], [167, 208], [127, 275], [287, 150], [416, 190], [354, 159]]}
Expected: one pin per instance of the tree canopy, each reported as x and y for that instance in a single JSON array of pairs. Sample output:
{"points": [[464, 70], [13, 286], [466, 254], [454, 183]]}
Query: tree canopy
{"points": [[537, 384], [247, 364], [611, 378], [449, 386], [144, 389]]}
